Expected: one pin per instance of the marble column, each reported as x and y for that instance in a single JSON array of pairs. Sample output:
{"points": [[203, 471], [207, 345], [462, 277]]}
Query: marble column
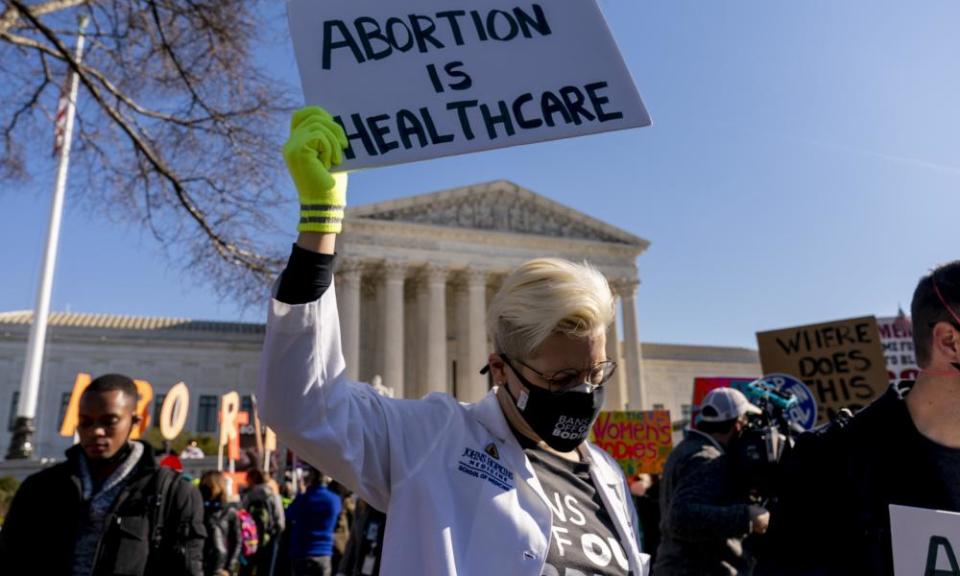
{"points": [[435, 362], [392, 345], [472, 337], [627, 290], [617, 386], [348, 277]]}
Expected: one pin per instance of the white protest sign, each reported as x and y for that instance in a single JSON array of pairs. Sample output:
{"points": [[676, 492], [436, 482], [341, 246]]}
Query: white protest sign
{"points": [[925, 542], [422, 79], [897, 338]]}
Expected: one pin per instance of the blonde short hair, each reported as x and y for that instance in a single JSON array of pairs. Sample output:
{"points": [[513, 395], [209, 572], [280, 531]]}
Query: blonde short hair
{"points": [[547, 296]]}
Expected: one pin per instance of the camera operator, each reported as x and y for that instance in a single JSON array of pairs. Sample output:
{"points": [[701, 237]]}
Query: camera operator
{"points": [[704, 520]]}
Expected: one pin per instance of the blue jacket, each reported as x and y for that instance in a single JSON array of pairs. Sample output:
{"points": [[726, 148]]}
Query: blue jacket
{"points": [[312, 518]]}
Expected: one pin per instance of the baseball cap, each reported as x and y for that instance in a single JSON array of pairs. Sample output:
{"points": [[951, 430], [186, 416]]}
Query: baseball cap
{"points": [[722, 404]]}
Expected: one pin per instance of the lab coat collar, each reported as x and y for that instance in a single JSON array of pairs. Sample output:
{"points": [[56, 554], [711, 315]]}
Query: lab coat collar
{"points": [[610, 485]]}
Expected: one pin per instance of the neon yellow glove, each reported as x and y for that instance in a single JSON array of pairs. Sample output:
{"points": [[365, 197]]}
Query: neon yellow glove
{"points": [[316, 143]]}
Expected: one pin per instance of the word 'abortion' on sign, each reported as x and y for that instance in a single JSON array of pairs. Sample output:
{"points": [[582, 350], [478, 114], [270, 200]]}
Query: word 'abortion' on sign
{"points": [[366, 38]]}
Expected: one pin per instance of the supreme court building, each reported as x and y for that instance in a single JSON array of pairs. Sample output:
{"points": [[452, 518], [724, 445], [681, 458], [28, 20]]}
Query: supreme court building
{"points": [[415, 276], [413, 281]]}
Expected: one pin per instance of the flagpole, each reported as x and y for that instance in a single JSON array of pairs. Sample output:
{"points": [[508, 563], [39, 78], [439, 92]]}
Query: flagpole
{"points": [[21, 444]]}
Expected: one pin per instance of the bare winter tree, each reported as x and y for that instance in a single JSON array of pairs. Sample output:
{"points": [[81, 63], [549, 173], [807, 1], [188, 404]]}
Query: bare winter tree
{"points": [[176, 126]]}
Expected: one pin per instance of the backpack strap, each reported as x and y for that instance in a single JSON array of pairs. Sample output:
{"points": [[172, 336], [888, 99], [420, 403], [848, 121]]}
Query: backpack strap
{"points": [[162, 481]]}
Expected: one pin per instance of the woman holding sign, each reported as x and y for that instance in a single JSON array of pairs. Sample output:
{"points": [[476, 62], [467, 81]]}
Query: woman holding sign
{"points": [[508, 485]]}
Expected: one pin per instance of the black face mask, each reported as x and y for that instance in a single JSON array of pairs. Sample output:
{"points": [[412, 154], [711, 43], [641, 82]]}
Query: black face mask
{"points": [[563, 421]]}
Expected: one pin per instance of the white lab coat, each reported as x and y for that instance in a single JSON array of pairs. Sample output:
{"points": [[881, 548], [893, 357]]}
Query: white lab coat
{"points": [[452, 507]]}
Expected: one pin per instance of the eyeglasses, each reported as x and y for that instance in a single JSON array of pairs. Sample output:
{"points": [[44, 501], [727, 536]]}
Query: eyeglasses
{"points": [[566, 380]]}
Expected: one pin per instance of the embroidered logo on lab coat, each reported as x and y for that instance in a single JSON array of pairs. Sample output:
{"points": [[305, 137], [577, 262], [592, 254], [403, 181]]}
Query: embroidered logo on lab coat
{"points": [[491, 449], [485, 467]]}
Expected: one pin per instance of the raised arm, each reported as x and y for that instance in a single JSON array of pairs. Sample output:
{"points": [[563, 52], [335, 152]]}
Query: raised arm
{"points": [[368, 443]]}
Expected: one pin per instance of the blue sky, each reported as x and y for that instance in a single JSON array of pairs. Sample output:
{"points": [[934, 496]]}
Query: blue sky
{"points": [[803, 165]]}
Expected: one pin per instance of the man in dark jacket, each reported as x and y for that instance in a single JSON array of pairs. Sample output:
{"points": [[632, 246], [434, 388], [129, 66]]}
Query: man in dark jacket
{"points": [[109, 509], [839, 482], [362, 554], [703, 521]]}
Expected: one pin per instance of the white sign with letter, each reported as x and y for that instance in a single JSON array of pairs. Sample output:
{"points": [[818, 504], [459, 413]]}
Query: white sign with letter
{"points": [[925, 542], [422, 79]]}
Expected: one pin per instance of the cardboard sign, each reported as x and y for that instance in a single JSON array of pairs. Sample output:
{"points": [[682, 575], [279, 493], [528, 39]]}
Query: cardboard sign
{"points": [[925, 542], [840, 362], [897, 338], [422, 79], [639, 441]]}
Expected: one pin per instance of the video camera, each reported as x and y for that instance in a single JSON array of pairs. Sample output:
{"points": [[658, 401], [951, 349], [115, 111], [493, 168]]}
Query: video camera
{"points": [[757, 453]]}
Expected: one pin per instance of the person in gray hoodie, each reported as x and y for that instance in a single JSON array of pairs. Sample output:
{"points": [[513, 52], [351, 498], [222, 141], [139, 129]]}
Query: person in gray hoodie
{"points": [[703, 521]]}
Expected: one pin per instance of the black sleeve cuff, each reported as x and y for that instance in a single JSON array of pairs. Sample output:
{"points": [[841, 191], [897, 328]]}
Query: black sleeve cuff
{"points": [[306, 277]]}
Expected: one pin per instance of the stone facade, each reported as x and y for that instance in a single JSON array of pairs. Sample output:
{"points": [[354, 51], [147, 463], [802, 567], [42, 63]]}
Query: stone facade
{"points": [[669, 371], [211, 357], [415, 275]]}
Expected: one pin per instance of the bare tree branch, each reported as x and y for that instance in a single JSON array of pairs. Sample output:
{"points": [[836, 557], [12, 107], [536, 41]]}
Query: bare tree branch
{"points": [[175, 126], [11, 15]]}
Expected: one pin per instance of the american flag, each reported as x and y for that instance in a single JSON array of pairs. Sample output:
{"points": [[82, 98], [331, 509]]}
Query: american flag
{"points": [[903, 321], [60, 121]]}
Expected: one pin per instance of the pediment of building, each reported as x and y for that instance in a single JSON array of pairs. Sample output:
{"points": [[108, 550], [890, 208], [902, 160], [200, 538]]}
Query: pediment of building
{"points": [[499, 206]]}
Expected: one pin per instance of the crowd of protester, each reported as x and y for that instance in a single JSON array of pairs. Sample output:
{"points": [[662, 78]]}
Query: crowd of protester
{"points": [[506, 485], [118, 507]]}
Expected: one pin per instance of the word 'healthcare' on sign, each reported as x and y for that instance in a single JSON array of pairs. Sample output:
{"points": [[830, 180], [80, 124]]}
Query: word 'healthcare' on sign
{"points": [[431, 78]]}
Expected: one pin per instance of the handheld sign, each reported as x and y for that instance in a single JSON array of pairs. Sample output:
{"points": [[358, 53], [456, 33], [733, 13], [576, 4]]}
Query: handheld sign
{"points": [[639, 441], [897, 338], [229, 411], [924, 541], [804, 413], [173, 413], [840, 362], [422, 79]]}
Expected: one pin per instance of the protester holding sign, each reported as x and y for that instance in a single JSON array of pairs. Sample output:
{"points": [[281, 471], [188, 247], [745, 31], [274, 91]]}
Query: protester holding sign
{"points": [[508, 485], [703, 520], [903, 449]]}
